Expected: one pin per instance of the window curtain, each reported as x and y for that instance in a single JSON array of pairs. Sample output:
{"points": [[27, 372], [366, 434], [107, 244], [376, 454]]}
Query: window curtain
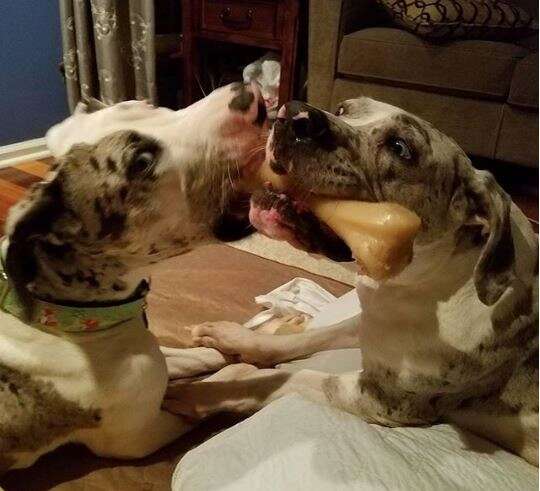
{"points": [[108, 50]]}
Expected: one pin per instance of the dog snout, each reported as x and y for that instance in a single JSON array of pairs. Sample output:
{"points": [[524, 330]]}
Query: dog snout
{"points": [[306, 122], [248, 100]]}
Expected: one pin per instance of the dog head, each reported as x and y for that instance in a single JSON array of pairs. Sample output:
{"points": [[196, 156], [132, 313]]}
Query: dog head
{"points": [[122, 200], [371, 151], [223, 134]]}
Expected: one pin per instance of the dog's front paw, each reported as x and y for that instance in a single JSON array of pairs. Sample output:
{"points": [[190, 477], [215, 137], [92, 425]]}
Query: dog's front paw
{"points": [[203, 398], [236, 340]]}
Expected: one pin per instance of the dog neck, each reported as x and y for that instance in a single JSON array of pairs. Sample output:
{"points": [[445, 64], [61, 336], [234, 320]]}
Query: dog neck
{"points": [[66, 274], [431, 262], [437, 259]]}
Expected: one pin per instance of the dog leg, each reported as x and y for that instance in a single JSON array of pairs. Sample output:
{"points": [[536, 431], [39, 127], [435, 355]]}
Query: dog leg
{"points": [[269, 349], [245, 389], [190, 362], [139, 438]]}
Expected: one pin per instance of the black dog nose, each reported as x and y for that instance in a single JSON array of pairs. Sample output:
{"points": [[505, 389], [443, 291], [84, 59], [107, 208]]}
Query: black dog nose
{"points": [[306, 122]]}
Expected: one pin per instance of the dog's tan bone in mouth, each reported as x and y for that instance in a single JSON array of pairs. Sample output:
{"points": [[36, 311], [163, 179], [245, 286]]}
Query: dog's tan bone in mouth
{"points": [[379, 235]]}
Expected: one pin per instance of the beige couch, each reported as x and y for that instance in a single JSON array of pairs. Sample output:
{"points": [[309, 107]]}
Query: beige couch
{"points": [[482, 93]]}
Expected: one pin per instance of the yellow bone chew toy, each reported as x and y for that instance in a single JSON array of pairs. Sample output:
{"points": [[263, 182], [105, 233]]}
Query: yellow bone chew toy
{"points": [[380, 235]]}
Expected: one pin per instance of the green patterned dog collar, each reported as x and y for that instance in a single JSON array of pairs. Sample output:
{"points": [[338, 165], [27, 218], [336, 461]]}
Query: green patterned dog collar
{"points": [[68, 318]]}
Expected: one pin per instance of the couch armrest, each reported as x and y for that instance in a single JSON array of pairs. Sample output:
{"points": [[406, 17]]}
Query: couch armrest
{"points": [[329, 20]]}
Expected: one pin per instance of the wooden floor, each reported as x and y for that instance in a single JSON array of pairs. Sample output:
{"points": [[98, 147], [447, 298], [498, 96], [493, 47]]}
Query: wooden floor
{"points": [[15, 180]]}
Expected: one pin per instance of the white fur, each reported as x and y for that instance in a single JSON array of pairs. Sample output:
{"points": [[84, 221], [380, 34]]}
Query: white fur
{"points": [[205, 126]]}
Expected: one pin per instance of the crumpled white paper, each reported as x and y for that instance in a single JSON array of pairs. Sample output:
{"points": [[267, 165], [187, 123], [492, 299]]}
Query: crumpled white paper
{"points": [[303, 296]]}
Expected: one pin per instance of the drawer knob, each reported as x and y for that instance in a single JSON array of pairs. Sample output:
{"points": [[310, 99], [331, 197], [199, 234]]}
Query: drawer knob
{"points": [[235, 23]]}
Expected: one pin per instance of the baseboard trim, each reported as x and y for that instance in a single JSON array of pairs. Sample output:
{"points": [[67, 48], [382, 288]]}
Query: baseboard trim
{"points": [[22, 151]]}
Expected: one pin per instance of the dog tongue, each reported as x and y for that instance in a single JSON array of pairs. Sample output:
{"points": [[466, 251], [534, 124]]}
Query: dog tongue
{"points": [[380, 235]]}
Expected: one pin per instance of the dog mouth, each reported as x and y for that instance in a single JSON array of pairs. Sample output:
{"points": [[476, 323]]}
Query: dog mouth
{"points": [[283, 216], [233, 223]]}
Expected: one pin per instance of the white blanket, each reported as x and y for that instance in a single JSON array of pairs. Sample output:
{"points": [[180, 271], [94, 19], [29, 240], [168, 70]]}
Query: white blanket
{"points": [[303, 296], [294, 444]]}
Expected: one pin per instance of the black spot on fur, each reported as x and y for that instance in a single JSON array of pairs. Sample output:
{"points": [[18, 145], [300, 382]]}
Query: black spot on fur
{"points": [[94, 163], [89, 278], [466, 403], [92, 281], [390, 173], [242, 102], [433, 401], [123, 193], [112, 223], [111, 164], [67, 279]]}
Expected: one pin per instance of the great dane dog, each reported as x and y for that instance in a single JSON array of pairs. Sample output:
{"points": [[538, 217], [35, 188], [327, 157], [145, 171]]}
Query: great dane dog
{"points": [[453, 337], [132, 184]]}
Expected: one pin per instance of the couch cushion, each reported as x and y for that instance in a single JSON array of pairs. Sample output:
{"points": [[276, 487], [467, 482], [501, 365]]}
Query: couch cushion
{"points": [[394, 55], [518, 138], [524, 87], [453, 19]]}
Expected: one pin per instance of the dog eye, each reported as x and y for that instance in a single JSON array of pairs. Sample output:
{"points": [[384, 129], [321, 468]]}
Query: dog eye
{"points": [[400, 148], [340, 111], [140, 164]]}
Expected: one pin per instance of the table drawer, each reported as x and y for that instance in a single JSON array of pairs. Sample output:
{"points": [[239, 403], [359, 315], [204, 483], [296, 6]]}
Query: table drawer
{"points": [[248, 18]]}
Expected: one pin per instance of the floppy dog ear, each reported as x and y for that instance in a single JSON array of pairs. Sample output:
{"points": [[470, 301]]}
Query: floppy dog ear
{"points": [[489, 207], [29, 221]]}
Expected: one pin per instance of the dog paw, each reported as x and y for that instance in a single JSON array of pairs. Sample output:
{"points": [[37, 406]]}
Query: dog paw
{"points": [[203, 398], [233, 339], [192, 362]]}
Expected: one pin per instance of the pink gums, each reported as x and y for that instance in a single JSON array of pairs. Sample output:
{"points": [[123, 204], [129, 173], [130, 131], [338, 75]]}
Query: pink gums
{"points": [[269, 223]]}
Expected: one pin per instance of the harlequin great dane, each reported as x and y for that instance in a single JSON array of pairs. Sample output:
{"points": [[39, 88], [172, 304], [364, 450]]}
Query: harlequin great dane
{"points": [[453, 337], [132, 185]]}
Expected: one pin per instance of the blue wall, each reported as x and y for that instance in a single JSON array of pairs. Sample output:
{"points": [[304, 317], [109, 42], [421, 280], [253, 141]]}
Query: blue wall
{"points": [[32, 94]]}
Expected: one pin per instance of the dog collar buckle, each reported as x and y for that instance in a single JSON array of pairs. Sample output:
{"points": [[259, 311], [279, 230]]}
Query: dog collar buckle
{"points": [[4, 288]]}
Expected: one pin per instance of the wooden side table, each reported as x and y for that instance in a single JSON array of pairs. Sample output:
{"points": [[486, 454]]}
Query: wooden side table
{"points": [[270, 24]]}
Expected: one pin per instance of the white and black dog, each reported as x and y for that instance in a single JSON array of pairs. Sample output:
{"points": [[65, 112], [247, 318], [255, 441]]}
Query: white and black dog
{"points": [[132, 184], [453, 337]]}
